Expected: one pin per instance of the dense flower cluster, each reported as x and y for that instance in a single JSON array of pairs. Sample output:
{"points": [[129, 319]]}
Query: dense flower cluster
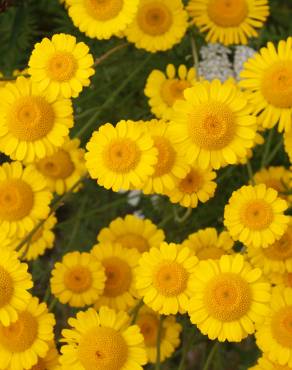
{"points": [[134, 290]]}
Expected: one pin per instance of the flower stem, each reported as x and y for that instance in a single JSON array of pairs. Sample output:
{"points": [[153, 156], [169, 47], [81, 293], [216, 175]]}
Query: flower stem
{"points": [[135, 311], [250, 172], [267, 148], [158, 363], [109, 53], [184, 217], [195, 54], [274, 152], [210, 356]]}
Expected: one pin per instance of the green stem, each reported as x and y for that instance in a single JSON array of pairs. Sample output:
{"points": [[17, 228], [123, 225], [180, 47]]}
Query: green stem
{"points": [[135, 311], [109, 53], [184, 217], [210, 356], [250, 172], [195, 54], [274, 152], [267, 148], [111, 98], [52, 304], [158, 343]]}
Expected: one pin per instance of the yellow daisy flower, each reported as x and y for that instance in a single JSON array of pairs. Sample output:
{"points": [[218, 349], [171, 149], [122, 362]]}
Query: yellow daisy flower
{"points": [[32, 124], [274, 336], [213, 125], [148, 321], [265, 364], [14, 283], [119, 264], [132, 232], [267, 76], [158, 25], [197, 185], [102, 19], [24, 199], [209, 244], [288, 144], [63, 168], [78, 280], [278, 178], [23, 342], [121, 157], [50, 361], [229, 22], [61, 67], [170, 165], [276, 257], [229, 298], [41, 240], [254, 215], [102, 340], [163, 278], [163, 89], [284, 280]]}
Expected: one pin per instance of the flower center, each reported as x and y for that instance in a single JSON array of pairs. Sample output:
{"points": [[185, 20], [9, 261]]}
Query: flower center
{"points": [[227, 13], [154, 18], [102, 348], [170, 279], [166, 156], [213, 253], [282, 248], [212, 125], [6, 287], [149, 324], [57, 166], [62, 66], [257, 215], [172, 90], [227, 297], [118, 276], [103, 10], [277, 84], [40, 365], [19, 336], [133, 241], [282, 326], [16, 200], [191, 183], [288, 279], [31, 118], [122, 155], [78, 279]]}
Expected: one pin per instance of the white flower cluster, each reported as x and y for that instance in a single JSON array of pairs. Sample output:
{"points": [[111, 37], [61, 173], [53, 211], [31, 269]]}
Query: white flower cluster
{"points": [[215, 62], [241, 55]]}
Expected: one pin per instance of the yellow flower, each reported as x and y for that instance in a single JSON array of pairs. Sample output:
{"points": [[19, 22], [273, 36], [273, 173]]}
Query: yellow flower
{"points": [[265, 364], [61, 67], [132, 232], [50, 361], [213, 126], [254, 216], [102, 19], [276, 257], [288, 144], [32, 124], [158, 25], [148, 321], [24, 199], [170, 165], [41, 240], [274, 336], [63, 168], [164, 278], [267, 76], [278, 178], [229, 298], [26, 340], [102, 340], [197, 185], [284, 280], [163, 89], [78, 280], [208, 244], [119, 264], [14, 283], [229, 22], [121, 157]]}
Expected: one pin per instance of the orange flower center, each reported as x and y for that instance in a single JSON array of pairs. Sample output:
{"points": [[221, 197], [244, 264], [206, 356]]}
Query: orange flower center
{"points": [[57, 166], [257, 215], [118, 276], [78, 279], [227, 13], [154, 18], [170, 279], [210, 252], [282, 326], [166, 156], [104, 10], [136, 241], [149, 324], [6, 287], [172, 90], [282, 248], [192, 183], [62, 66]]}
